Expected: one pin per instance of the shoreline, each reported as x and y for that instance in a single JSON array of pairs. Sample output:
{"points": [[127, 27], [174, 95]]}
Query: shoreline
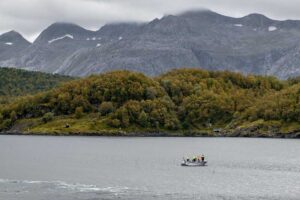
{"points": [[159, 134]]}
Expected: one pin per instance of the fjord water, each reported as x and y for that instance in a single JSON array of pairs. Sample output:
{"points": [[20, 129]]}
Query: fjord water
{"points": [[65, 168]]}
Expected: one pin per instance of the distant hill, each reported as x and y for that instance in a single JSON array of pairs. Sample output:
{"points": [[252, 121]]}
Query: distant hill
{"points": [[17, 82], [180, 102], [204, 39]]}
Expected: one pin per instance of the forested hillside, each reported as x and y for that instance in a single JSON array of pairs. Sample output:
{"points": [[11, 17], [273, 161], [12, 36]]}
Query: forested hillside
{"points": [[16, 82], [180, 102]]}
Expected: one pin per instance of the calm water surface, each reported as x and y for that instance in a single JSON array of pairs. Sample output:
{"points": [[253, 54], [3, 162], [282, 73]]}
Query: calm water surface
{"points": [[91, 168]]}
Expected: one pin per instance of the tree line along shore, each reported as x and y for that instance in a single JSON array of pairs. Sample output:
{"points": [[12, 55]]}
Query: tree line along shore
{"points": [[182, 102]]}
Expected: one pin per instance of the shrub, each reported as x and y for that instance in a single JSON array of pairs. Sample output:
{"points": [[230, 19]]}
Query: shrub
{"points": [[106, 108], [143, 119], [48, 117], [13, 116], [6, 124], [115, 123], [1, 118], [79, 112]]}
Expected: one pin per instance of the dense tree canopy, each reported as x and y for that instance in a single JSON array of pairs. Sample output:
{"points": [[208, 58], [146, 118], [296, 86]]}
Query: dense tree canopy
{"points": [[15, 82], [178, 100]]}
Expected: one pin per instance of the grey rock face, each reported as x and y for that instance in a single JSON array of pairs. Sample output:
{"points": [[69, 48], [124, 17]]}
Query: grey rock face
{"points": [[11, 44], [204, 39]]}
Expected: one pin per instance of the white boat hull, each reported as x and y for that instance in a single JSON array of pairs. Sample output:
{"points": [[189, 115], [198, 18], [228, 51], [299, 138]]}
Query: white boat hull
{"points": [[194, 164]]}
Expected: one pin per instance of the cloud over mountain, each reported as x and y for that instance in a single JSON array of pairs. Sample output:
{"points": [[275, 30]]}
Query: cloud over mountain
{"points": [[31, 16]]}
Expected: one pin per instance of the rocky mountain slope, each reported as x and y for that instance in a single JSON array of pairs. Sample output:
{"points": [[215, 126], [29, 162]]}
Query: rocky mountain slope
{"points": [[203, 39], [11, 44]]}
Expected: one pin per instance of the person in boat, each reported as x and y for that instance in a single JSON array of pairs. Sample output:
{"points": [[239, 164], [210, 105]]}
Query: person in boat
{"points": [[194, 159], [202, 158]]}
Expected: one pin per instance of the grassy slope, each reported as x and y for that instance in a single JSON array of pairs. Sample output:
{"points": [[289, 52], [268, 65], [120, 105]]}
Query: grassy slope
{"points": [[93, 125], [90, 124]]}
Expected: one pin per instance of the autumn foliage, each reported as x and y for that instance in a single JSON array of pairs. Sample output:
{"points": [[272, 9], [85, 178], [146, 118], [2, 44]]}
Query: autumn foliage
{"points": [[180, 99]]}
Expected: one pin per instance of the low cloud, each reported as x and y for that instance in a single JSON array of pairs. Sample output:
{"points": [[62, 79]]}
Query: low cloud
{"points": [[29, 17]]}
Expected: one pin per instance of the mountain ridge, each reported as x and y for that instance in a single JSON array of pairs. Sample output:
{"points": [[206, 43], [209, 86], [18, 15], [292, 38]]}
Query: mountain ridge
{"points": [[251, 44]]}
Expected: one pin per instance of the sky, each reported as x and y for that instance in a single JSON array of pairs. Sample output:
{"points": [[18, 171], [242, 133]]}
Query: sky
{"points": [[30, 17]]}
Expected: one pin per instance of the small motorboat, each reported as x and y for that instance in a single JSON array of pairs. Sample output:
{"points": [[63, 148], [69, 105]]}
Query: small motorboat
{"points": [[195, 162]]}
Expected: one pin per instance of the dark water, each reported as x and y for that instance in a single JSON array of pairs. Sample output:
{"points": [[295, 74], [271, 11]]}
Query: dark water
{"points": [[65, 168]]}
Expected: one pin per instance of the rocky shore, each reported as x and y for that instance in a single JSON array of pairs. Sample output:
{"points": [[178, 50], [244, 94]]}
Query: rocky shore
{"points": [[249, 133]]}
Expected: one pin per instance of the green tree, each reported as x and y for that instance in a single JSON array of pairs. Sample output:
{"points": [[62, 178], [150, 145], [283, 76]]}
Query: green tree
{"points": [[172, 123], [79, 112], [122, 115], [114, 123], [13, 116], [133, 109], [143, 119], [106, 107], [48, 117], [1, 118]]}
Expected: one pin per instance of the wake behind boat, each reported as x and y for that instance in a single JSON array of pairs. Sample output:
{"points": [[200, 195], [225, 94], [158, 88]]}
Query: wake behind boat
{"points": [[196, 161]]}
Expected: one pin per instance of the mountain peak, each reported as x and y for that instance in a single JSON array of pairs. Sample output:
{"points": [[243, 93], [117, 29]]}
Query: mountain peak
{"points": [[202, 14], [60, 29], [118, 29], [13, 36], [205, 16], [63, 27], [257, 16], [11, 33], [199, 12], [257, 20], [58, 25]]}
